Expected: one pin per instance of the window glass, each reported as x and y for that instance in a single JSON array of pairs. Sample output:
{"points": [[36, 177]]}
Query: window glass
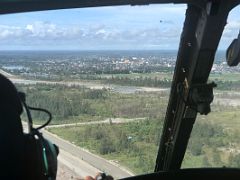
{"points": [[104, 74], [215, 138]]}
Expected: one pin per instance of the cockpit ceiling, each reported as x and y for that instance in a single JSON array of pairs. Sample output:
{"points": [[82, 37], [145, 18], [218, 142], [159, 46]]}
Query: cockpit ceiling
{"points": [[13, 6]]}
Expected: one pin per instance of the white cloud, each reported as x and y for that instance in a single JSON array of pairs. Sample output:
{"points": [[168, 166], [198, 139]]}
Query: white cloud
{"points": [[231, 30], [119, 26], [235, 24], [42, 29], [10, 31], [46, 33], [37, 31]]}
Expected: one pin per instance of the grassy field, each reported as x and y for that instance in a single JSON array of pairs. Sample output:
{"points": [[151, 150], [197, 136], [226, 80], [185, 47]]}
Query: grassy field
{"points": [[157, 75], [226, 77], [73, 104], [135, 144], [211, 135], [227, 119]]}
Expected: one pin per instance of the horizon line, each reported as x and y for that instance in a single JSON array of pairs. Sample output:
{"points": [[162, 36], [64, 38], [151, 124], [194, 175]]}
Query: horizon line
{"points": [[95, 50]]}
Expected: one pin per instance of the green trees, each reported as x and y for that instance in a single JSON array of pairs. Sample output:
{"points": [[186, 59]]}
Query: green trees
{"points": [[106, 146], [58, 103], [205, 135], [217, 159], [205, 161], [227, 84], [137, 140], [94, 94], [196, 147], [133, 143], [78, 104], [206, 146], [234, 160], [62, 101], [139, 81]]}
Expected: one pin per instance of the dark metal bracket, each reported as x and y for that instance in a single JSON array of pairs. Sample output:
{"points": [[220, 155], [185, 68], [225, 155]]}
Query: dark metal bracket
{"points": [[200, 96]]}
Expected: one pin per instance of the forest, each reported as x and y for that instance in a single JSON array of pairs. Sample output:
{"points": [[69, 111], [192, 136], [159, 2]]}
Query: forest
{"points": [[134, 144]]}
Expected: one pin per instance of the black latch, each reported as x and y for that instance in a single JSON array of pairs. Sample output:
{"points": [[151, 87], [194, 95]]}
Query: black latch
{"points": [[201, 96]]}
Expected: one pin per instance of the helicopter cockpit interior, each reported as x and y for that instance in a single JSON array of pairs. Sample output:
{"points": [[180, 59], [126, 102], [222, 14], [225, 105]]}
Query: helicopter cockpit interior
{"points": [[191, 93]]}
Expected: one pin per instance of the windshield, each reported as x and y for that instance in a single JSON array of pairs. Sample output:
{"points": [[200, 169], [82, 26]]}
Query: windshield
{"points": [[105, 75], [214, 140]]}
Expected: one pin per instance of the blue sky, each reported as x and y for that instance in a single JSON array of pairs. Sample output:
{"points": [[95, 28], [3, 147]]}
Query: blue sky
{"points": [[105, 28]]}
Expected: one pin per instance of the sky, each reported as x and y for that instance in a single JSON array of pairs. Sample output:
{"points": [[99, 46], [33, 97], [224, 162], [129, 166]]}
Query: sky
{"points": [[153, 27]]}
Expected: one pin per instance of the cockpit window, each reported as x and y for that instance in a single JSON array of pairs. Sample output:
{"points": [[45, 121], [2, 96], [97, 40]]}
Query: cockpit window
{"points": [[214, 141], [105, 75]]}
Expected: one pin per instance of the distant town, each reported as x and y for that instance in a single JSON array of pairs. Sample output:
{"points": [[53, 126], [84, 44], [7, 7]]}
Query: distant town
{"points": [[52, 64]]}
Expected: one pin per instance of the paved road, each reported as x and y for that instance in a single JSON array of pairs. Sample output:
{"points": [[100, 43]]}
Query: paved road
{"points": [[78, 166], [6, 74], [89, 158], [82, 162], [68, 165]]}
